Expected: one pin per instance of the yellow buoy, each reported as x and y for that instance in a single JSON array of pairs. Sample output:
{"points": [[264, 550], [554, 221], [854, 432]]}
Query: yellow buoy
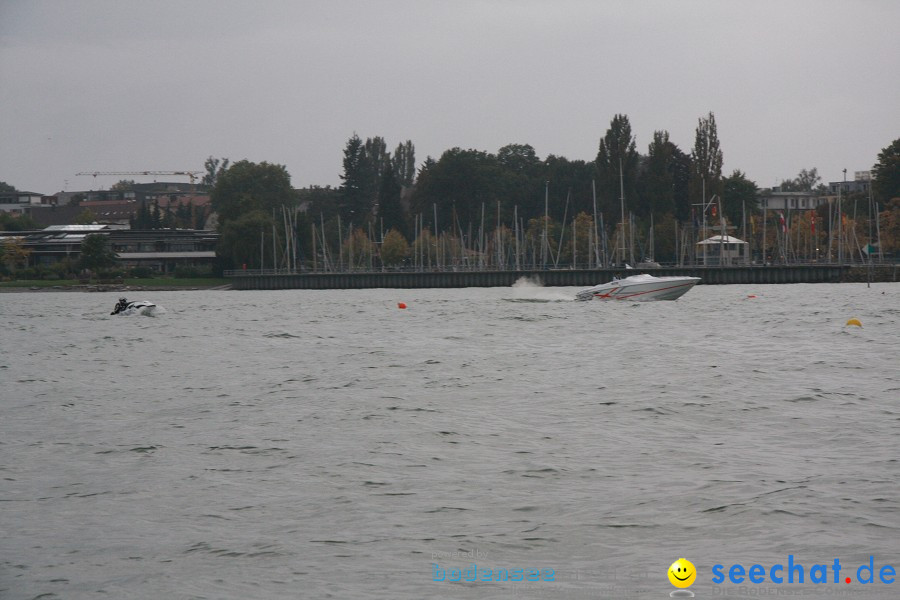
{"points": [[854, 322]]}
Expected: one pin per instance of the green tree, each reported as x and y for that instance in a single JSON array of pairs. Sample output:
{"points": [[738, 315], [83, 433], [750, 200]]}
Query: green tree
{"points": [[5, 187], [16, 222], [658, 176], [13, 253], [156, 217], [390, 209], [358, 249], [183, 215], [85, 217], [356, 200], [404, 163], [142, 219], [168, 220], [394, 249], [563, 176], [617, 155], [247, 187], [664, 239], [425, 246], [886, 173], [806, 181], [325, 201], [535, 250], [582, 231], [123, 185], [890, 225], [198, 217], [519, 158], [214, 167], [706, 160], [681, 174], [739, 197], [246, 240], [96, 253], [457, 185]]}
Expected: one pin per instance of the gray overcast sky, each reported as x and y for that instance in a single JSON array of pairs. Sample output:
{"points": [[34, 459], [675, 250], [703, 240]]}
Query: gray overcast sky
{"points": [[124, 85]]}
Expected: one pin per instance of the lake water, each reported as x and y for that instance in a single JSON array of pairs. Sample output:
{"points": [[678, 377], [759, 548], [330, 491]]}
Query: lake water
{"points": [[327, 444]]}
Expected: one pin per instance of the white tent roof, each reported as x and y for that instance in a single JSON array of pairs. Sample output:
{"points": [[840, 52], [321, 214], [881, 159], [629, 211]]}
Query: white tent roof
{"points": [[717, 239]]}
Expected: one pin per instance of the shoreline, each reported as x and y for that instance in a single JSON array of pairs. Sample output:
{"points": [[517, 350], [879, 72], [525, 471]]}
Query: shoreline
{"points": [[25, 289]]}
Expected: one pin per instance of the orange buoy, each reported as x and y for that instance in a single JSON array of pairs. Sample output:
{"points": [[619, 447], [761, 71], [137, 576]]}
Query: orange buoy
{"points": [[751, 296], [401, 305]]}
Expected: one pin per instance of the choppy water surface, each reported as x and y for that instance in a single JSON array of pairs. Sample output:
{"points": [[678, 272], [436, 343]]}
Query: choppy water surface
{"points": [[326, 444]]}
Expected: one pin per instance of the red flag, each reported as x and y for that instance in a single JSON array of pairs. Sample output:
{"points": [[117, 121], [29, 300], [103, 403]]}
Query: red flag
{"points": [[714, 211], [781, 219], [812, 222]]}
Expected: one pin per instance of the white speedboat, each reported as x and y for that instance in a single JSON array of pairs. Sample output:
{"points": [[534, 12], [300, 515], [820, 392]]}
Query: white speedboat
{"points": [[640, 288]]}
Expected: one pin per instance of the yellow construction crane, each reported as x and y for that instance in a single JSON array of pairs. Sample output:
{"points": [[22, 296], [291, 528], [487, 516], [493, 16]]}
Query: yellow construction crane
{"points": [[192, 174]]}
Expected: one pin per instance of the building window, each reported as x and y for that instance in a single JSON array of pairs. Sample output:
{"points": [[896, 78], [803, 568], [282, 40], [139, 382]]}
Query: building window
{"points": [[803, 202], [793, 203]]}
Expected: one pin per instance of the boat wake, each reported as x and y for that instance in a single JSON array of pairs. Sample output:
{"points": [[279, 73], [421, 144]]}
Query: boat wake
{"points": [[530, 289]]}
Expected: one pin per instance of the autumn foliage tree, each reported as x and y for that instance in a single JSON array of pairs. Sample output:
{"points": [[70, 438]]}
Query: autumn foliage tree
{"points": [[394, 249]]}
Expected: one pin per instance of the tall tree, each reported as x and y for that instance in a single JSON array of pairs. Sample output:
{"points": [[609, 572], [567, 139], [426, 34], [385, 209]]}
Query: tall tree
{"points": [[706, 160], [390, 210], [806, 181], [681, 175], [738, 197], [886, 173], [404, 164], [355, 189], [658, 177], [376, 161], [617, 156], [214, 167], [143, 219]]}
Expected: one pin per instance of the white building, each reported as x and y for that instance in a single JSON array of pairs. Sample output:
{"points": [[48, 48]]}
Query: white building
{"points": [[775, 199], [19, 202], [723, 251]]}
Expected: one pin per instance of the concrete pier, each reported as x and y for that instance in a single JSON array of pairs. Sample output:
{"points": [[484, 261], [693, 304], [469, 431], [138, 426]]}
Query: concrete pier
{"points": [[242, 280]]}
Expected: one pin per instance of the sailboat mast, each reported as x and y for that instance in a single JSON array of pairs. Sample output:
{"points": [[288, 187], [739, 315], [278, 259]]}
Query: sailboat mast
{"points": [[596, 236], [622, 202], [545, 241]]}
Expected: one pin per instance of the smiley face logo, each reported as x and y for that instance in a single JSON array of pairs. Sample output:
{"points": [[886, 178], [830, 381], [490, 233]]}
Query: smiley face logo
{"points": [[682, 573]]}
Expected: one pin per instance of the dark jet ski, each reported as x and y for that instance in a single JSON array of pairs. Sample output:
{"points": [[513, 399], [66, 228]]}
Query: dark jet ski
{"points": [[124, 305]]}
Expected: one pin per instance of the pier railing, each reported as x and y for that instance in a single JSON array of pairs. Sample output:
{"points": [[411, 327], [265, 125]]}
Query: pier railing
{"points": [[272, 279]]}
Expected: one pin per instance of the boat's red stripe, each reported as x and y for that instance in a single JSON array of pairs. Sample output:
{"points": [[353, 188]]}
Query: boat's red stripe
{"points": [[671, 287]]}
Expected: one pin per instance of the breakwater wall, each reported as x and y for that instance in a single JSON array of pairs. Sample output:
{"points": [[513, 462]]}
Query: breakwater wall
{"points": [[552, 278]]}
